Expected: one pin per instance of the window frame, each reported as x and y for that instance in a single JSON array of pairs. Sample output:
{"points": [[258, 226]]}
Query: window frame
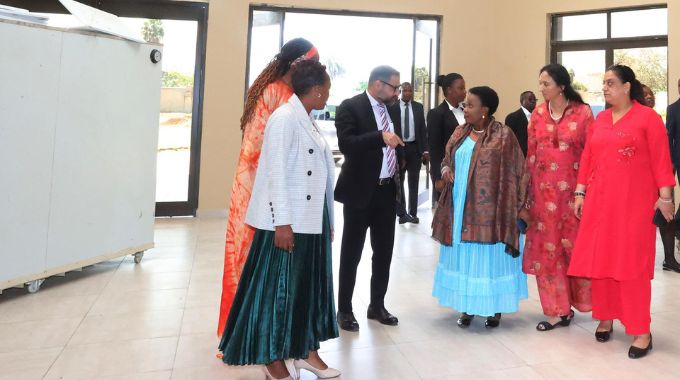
{"points": [[608, 44], [285, 9]]}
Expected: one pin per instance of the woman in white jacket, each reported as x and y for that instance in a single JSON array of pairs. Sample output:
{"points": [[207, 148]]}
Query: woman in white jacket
{"points": [[284, 305]]}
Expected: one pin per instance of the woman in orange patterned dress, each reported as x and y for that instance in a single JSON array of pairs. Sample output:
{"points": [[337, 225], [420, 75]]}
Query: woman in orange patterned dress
{"points": [[271, 89], [557, 135]]}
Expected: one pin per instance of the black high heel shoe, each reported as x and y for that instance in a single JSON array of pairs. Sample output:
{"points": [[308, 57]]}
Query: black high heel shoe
{"points": [[494, 321], [637, 353], [603, 336], [565, 320], [465, 320]]}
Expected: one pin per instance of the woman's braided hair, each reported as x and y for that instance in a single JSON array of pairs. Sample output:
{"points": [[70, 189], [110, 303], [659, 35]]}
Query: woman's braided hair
{"points": [[277, 68]]}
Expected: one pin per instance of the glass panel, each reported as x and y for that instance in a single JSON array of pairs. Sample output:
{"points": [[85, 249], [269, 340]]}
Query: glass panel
{"points": [[265, 40], [581, 27], [646, 22], [425, 58], [651, 68], [587, 70], [177, 95]]}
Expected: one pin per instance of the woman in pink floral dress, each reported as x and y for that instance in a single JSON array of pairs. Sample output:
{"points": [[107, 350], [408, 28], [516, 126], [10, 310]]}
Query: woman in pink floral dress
{"points": [[556, 137]]}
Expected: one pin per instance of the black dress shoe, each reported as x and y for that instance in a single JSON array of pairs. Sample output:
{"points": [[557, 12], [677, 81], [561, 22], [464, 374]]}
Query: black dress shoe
{"points": [[603, 336], [637, 353], [347, 322], [465, 320], [406, 218], [675, 267], [381, 315], [494, 321], [415, 220]]}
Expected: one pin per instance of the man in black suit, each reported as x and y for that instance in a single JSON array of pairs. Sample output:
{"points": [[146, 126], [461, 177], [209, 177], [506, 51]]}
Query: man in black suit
{"points": [[414, 135], [518, 121], [367, 188], [673, 128]]}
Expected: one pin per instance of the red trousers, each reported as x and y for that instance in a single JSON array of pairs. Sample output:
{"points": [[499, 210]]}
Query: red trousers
{"points": [[627, 301], [559, 292]]}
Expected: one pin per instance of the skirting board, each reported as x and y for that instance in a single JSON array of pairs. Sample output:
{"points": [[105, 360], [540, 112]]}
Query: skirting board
{"points": [[20, 281], [212, 213]]}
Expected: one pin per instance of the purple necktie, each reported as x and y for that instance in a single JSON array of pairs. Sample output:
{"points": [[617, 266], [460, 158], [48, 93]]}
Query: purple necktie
{"points": [[391, 154]]}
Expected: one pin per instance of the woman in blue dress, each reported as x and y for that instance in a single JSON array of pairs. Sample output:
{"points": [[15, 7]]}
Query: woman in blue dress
{"points": [[480, 264]]}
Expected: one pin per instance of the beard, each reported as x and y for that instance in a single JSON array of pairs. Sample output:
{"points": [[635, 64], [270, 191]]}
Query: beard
{"points": [[391, 100]]}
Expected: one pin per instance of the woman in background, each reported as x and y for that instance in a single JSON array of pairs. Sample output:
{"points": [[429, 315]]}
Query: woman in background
{"points": [[441, 121]]}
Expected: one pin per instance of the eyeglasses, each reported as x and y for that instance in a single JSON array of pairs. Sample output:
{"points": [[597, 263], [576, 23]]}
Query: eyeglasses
{"points": [[394, 88]]}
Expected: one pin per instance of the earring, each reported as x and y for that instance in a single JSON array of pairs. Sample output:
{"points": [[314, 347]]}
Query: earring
{"points": [[483, 117], [318, 95]]}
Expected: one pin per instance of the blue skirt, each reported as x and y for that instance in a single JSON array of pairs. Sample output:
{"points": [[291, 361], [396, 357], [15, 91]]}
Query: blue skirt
{"points": [[478, 279]]}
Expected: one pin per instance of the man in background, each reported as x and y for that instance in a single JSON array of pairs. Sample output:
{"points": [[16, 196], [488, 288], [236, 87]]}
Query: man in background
{"points": [[414, 135], [518, 121]]}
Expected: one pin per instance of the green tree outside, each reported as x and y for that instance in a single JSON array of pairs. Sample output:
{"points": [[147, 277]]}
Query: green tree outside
{"points": [[576, 85], [361, 86], [647, 67], [176, 79], [153, 31]]}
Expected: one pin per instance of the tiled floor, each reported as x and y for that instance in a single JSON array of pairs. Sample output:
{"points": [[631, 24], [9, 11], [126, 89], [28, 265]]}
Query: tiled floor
{"points": [[156, 320]]}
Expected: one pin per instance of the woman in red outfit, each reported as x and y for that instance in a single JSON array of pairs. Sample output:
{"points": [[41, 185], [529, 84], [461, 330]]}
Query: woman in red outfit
{"points": [[557, 135], [627, 173]]}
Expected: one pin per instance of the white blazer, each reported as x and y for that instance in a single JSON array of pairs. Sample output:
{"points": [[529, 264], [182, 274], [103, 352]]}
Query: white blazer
{"points": [[296, 172]]}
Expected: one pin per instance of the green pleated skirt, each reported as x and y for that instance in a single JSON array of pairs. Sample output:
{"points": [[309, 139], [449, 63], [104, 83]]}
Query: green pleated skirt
{"points": [[284, 305]]}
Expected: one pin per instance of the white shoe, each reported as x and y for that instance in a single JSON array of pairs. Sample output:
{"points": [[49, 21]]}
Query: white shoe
{"points": [[291, 370], [327, 373]]}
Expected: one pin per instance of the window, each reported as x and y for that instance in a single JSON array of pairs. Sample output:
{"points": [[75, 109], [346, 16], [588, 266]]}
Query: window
{"points": [[587, 43]]}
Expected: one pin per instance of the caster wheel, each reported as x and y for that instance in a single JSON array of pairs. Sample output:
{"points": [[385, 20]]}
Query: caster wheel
{"points": [[34, 285], [138, 257]]}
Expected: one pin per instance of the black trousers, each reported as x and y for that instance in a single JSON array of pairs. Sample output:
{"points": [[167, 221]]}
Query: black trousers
{"points": [[379, 217], [668, 233], [413, 163]]}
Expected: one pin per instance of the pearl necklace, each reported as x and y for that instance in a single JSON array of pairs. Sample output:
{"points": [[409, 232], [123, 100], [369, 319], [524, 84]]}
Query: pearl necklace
{"points": [[551, 112], [476, 131]]}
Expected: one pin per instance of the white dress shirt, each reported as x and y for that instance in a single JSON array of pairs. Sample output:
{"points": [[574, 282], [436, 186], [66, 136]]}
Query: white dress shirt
{"points": [[457, 112], [412, 128], [526, 113], [384, 171]]}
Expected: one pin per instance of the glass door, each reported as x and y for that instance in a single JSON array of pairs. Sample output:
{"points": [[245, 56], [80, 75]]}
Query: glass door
{"points": [[425, 37], [173, 168], [182, 29]]}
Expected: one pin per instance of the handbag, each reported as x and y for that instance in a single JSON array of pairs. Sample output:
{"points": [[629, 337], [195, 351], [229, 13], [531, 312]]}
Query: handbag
{"points": [[442, 219]]}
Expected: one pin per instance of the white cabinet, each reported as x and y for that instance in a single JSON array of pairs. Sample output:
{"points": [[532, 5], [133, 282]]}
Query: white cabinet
{"points": [[78, 140]]}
